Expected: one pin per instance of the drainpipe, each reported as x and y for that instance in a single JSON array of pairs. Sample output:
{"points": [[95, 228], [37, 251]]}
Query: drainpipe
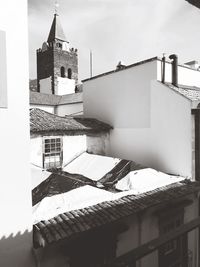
{"points": [[174, 69], [163, 69]]}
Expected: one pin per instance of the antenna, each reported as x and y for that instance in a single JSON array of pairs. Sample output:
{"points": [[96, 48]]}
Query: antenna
{"points": [[91, 64], [56, 5]]}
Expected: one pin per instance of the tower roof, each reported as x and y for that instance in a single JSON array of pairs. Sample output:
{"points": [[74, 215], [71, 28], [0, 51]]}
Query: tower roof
{"points": [[56, 31]]}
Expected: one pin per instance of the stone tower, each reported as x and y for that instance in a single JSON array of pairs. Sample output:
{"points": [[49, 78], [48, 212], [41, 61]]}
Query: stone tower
{"points": [[57, 63]]}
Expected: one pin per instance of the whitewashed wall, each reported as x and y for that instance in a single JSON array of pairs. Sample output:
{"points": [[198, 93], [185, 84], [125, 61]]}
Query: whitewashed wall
{"points": [[73, 146], [46, 108], [152, 123], [99, 144], [69, 109], [121, 99], [15, 183], [64, 86]]}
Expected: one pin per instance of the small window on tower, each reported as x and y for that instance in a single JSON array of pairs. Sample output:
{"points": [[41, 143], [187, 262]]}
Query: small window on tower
{"points": [[62, 72], [69, 73]]}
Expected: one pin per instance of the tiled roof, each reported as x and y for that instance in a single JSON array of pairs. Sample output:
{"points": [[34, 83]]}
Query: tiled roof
{"points": [[54, 100], [45, 122], [190, 92], [72, 223]]}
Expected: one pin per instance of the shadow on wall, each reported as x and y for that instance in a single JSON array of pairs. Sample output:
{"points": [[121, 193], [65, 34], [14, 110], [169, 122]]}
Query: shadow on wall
{"points": [[16, 250]]}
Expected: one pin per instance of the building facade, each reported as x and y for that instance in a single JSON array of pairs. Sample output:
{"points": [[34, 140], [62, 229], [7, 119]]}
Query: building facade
{"points": [[153, 122]]}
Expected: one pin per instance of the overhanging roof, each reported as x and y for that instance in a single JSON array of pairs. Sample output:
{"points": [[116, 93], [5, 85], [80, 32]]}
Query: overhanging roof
{"points": [[42, 122], [70, 224]]}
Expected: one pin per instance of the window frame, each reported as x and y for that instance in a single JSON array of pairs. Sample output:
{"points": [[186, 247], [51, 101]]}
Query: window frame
{"points": [[52, 147]]}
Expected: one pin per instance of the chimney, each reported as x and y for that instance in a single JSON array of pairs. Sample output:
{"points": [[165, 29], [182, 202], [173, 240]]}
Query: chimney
{"points": [[163, 68], [174, 69]]}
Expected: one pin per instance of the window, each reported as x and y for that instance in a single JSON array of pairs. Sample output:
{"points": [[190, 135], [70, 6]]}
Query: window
{"points": [[52, 153], [174, 251], [69, 73], [62, 72], [59, 45], [3, 71]]}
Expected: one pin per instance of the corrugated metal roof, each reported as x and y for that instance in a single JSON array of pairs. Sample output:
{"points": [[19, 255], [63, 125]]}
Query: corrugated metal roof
{"points": [[45, 122], [70, 224]]}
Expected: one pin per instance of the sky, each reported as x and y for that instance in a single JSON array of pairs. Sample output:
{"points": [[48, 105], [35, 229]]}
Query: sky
{"points": [[118, 30]]}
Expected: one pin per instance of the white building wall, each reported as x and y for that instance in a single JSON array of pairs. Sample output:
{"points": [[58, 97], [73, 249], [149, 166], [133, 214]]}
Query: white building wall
{"points": [[99, 144], [121, 99], [70, 109], [152, 123], [46, 108], [171, 131], [15, 183], [64, 86], [73, 146], [36, 151]]}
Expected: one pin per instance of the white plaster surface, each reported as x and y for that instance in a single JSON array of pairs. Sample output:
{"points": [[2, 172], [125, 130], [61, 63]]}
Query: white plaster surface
{"points": [[46, 108], [15, 180], [38, 175], [151, 123], [73, 146], [65, 86], [45, 85], [36, 151], [70, 109], [92, 166], [144, 180]]}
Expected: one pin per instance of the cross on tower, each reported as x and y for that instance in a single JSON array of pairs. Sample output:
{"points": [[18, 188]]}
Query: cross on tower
{"points": [[56, 5]]}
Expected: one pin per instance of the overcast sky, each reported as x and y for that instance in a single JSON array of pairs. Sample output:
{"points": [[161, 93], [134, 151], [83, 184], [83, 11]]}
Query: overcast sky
{"points": [[126, 30]]}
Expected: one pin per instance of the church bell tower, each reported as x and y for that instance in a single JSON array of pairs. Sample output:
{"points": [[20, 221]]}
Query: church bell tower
{"points": [[57, 63]]}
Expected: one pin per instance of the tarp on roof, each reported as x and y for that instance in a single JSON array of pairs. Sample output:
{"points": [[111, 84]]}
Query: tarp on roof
{"points": [[92, 166], [75, 199], [144, 180]]}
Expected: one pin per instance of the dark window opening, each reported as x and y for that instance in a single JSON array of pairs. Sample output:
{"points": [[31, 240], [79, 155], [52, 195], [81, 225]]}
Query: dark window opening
{"points": [[69, 73], [62, 72], [59, 45]]}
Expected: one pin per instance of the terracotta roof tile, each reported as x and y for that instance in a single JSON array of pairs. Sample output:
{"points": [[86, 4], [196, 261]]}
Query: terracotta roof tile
{"points": [[79, 221], [42, 122]]}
